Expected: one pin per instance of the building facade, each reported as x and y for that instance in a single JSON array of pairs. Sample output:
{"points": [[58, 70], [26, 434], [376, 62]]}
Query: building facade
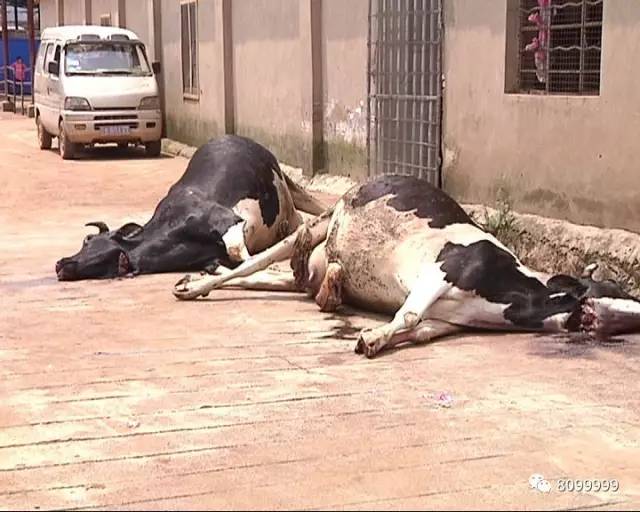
{"points": [[533, 100]]}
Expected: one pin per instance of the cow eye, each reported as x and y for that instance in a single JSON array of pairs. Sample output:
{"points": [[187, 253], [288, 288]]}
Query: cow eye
{"points": [[87, 238]]}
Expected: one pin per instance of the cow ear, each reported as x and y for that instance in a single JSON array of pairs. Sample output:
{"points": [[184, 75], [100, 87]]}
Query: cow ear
{"points": [[129, 230], [567, 284]]}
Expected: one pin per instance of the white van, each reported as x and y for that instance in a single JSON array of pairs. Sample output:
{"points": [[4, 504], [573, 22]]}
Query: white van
{"points": [[94, 85]]}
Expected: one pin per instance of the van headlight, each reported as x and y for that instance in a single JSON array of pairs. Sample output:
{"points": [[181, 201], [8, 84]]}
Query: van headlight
{"points": [[76, 103], [150, 103]]}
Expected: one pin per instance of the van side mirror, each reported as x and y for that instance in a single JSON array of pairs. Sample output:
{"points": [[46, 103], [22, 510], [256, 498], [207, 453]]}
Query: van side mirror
{"points": [[156, 67], [54, 68]]}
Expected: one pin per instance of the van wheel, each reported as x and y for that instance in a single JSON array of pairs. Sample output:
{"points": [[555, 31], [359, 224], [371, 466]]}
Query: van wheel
{"points": [[67, 149], [44, 137], [153, 149]]}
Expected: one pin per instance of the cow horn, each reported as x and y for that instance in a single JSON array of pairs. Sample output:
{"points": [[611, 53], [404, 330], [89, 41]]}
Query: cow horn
{"points": [[129, 230], [589, 270], [100, 225]]}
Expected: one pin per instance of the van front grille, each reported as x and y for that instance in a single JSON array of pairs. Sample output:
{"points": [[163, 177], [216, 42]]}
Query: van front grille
{"points": [[117, 108], [133, 126], [125, 117]]}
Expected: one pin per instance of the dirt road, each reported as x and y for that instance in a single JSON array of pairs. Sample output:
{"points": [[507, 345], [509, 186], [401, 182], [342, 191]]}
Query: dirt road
{"points": [[114, 395]]}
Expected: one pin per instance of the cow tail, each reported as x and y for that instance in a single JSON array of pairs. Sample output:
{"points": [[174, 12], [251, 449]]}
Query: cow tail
{"points": [[302, 200]]}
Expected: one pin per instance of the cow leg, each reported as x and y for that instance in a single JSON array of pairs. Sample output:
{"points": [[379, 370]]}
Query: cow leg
{"points": [[234, 241], [428, 288], [267, 280], [192, 287], [426, 330], [329, 297], [604, 317]]}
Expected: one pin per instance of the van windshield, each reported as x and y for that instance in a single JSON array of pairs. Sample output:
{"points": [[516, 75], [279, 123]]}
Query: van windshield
{"points": [[106, 58]]}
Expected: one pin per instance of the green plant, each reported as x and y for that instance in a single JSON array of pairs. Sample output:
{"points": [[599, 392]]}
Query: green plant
{"points": [[502, 223]]}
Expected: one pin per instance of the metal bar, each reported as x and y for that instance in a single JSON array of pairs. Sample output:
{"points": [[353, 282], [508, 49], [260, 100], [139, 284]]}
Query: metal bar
{"points": [[528, 28], [32, 35], [430, 162], [369, 78], [5, 46], [378, 84], [547, 28], [567, 48], [562, 6], [406, 146], [423, 57], [424, 144], [317, 107], [407, 97], [439, 104], [413, 78], [227, 67], [583, 40], [562, 71], [417, 167], [397, 26], [384, 83]]}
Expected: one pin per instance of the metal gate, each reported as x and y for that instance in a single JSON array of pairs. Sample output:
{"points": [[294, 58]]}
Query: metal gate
{"points": [[404, 88]]}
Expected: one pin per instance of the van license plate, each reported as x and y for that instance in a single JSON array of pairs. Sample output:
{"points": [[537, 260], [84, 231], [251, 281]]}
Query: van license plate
{"points": [[116, 130]]}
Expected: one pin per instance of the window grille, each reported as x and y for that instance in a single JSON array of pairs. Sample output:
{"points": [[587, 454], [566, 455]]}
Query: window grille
{"points": [[189, 43]]}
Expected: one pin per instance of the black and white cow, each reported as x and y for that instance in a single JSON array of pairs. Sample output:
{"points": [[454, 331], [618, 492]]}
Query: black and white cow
{"points": [[400, 246], [232, 201]]}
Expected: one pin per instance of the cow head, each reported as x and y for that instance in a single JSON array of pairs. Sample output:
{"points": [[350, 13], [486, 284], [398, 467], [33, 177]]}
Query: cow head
{"points": [[103, 255], [586, 286], [605, 308]]}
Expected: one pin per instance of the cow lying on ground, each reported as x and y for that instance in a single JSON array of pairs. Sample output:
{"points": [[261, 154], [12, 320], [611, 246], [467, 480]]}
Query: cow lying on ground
{"points": [[232, 201], [399, 246]]}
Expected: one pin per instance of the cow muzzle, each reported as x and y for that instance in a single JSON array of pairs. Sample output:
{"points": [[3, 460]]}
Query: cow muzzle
{"points": [[124, 265], [66, 269]]}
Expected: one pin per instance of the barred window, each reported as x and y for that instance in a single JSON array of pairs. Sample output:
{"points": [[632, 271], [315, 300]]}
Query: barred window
{"points": [[559, 47], [189, 37]]}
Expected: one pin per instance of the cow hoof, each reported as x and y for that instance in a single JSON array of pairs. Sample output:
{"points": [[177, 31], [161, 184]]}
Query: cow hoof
{"points": [[182, 290], [329, 297], [183, 282], [191, 288], [368, 343]]}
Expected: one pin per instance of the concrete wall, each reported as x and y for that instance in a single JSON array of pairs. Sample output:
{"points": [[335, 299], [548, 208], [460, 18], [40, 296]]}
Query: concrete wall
{"points": [[562, 156], [138, 15], [102, 7], [188, 120], [268, 70], [344, 73], [74, 12], [271, 78], [48, 14]]}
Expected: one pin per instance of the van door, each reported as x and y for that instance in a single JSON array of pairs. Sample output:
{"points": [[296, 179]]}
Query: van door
{"points": [[44, 86], [56, 91], [38, 78]]}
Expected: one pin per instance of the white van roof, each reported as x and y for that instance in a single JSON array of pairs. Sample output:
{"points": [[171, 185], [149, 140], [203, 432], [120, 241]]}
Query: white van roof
{"points": [[75, 32]]}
